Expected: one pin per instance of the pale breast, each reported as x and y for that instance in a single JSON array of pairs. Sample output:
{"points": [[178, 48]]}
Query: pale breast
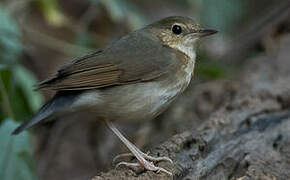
{"points": [[152, 98]]}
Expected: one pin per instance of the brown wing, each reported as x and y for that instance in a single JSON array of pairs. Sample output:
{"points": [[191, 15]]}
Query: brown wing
{"points": [[81, 75], [131, 59]]}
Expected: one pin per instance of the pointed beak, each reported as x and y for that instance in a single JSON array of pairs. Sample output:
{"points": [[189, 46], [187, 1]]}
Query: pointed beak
{"points": [[206, 32]]}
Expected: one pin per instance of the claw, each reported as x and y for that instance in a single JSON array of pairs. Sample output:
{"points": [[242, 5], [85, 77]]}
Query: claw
{"points": [[163, 170], [157, 159]]}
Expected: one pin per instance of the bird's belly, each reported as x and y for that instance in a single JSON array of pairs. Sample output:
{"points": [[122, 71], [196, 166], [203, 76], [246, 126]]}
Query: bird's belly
{"points": [[141, 101], [134, 102]]}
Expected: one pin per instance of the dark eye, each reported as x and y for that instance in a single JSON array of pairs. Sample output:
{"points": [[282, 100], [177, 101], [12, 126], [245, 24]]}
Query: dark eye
{"points": [[176, 29]]}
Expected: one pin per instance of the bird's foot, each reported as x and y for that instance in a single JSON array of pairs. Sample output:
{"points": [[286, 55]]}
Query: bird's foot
{"points": [[145, 156], [147, 163], [144, 160], [144, 164]]}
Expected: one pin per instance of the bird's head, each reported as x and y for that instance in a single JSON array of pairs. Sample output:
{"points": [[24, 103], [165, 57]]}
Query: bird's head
{"points": [[180, 33]]}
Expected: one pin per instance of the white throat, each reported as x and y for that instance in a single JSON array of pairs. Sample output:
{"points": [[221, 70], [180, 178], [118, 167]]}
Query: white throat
{"points": [[187, 46], [188, 50]]}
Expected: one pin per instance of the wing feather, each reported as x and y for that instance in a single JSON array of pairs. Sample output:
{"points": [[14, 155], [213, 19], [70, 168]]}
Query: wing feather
{"points": [[146, 60]]}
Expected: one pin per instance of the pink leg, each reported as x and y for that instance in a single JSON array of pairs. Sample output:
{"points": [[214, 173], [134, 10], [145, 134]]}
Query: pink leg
{"points": [[141, 157]]}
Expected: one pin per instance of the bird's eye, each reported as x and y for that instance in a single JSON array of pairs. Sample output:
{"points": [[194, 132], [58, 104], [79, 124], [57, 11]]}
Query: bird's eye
{"points": [[176, 29]]}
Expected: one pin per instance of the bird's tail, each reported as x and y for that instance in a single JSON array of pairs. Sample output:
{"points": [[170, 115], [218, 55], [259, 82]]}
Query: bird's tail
{"points": [[56, 104], [44, 112]]}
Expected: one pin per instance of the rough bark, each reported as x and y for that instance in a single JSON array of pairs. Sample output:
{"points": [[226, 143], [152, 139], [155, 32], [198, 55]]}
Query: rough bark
{"points": [[248, 137]]}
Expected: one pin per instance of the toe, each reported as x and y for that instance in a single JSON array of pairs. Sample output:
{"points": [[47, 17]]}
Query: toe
{"points": [[122, 156], [131, 165]]}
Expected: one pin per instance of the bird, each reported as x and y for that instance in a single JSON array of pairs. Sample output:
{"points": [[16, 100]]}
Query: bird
{"points": [[133, 79]]}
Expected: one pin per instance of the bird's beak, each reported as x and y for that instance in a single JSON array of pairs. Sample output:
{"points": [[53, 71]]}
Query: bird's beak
{"points": [[206, 32]]}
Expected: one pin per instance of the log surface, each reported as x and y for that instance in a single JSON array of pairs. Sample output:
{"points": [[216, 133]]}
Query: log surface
{"points": [[248, 137]]}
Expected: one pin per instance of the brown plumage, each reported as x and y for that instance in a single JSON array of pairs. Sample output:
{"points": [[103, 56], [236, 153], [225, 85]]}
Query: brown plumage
{"points": [[133, 79]]}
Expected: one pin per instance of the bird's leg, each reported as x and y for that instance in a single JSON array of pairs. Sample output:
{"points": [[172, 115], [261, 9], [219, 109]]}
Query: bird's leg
{"points": [[141, 157]]}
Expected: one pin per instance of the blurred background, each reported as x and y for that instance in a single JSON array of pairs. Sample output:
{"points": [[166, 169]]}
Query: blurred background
{"points": [[39, 36]]}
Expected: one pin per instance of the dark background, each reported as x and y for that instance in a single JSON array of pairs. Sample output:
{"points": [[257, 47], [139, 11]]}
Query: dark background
{"points": [[38, 36]]}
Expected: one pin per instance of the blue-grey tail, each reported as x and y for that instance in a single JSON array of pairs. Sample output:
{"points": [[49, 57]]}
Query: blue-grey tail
{"points": [[44, 112], [56, 104]]}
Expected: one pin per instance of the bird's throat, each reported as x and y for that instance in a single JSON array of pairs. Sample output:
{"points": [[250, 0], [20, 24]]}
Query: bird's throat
{"points": [[188, 50]]}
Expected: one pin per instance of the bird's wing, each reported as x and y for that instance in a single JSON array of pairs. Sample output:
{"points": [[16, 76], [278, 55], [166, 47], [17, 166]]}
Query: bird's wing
{"points": [[117, 65]]}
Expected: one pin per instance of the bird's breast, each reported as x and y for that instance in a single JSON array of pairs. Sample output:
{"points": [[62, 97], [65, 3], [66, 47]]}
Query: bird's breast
{"points": [[149, 99], [139, 101]]}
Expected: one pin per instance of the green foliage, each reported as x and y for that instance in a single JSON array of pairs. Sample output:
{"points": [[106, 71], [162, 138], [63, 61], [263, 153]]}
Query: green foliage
{"points": [[211, 69], [16, 81], [10, 44], [26, 81], [22, 100], [52, 12], [15, 154], [18, 101]]}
